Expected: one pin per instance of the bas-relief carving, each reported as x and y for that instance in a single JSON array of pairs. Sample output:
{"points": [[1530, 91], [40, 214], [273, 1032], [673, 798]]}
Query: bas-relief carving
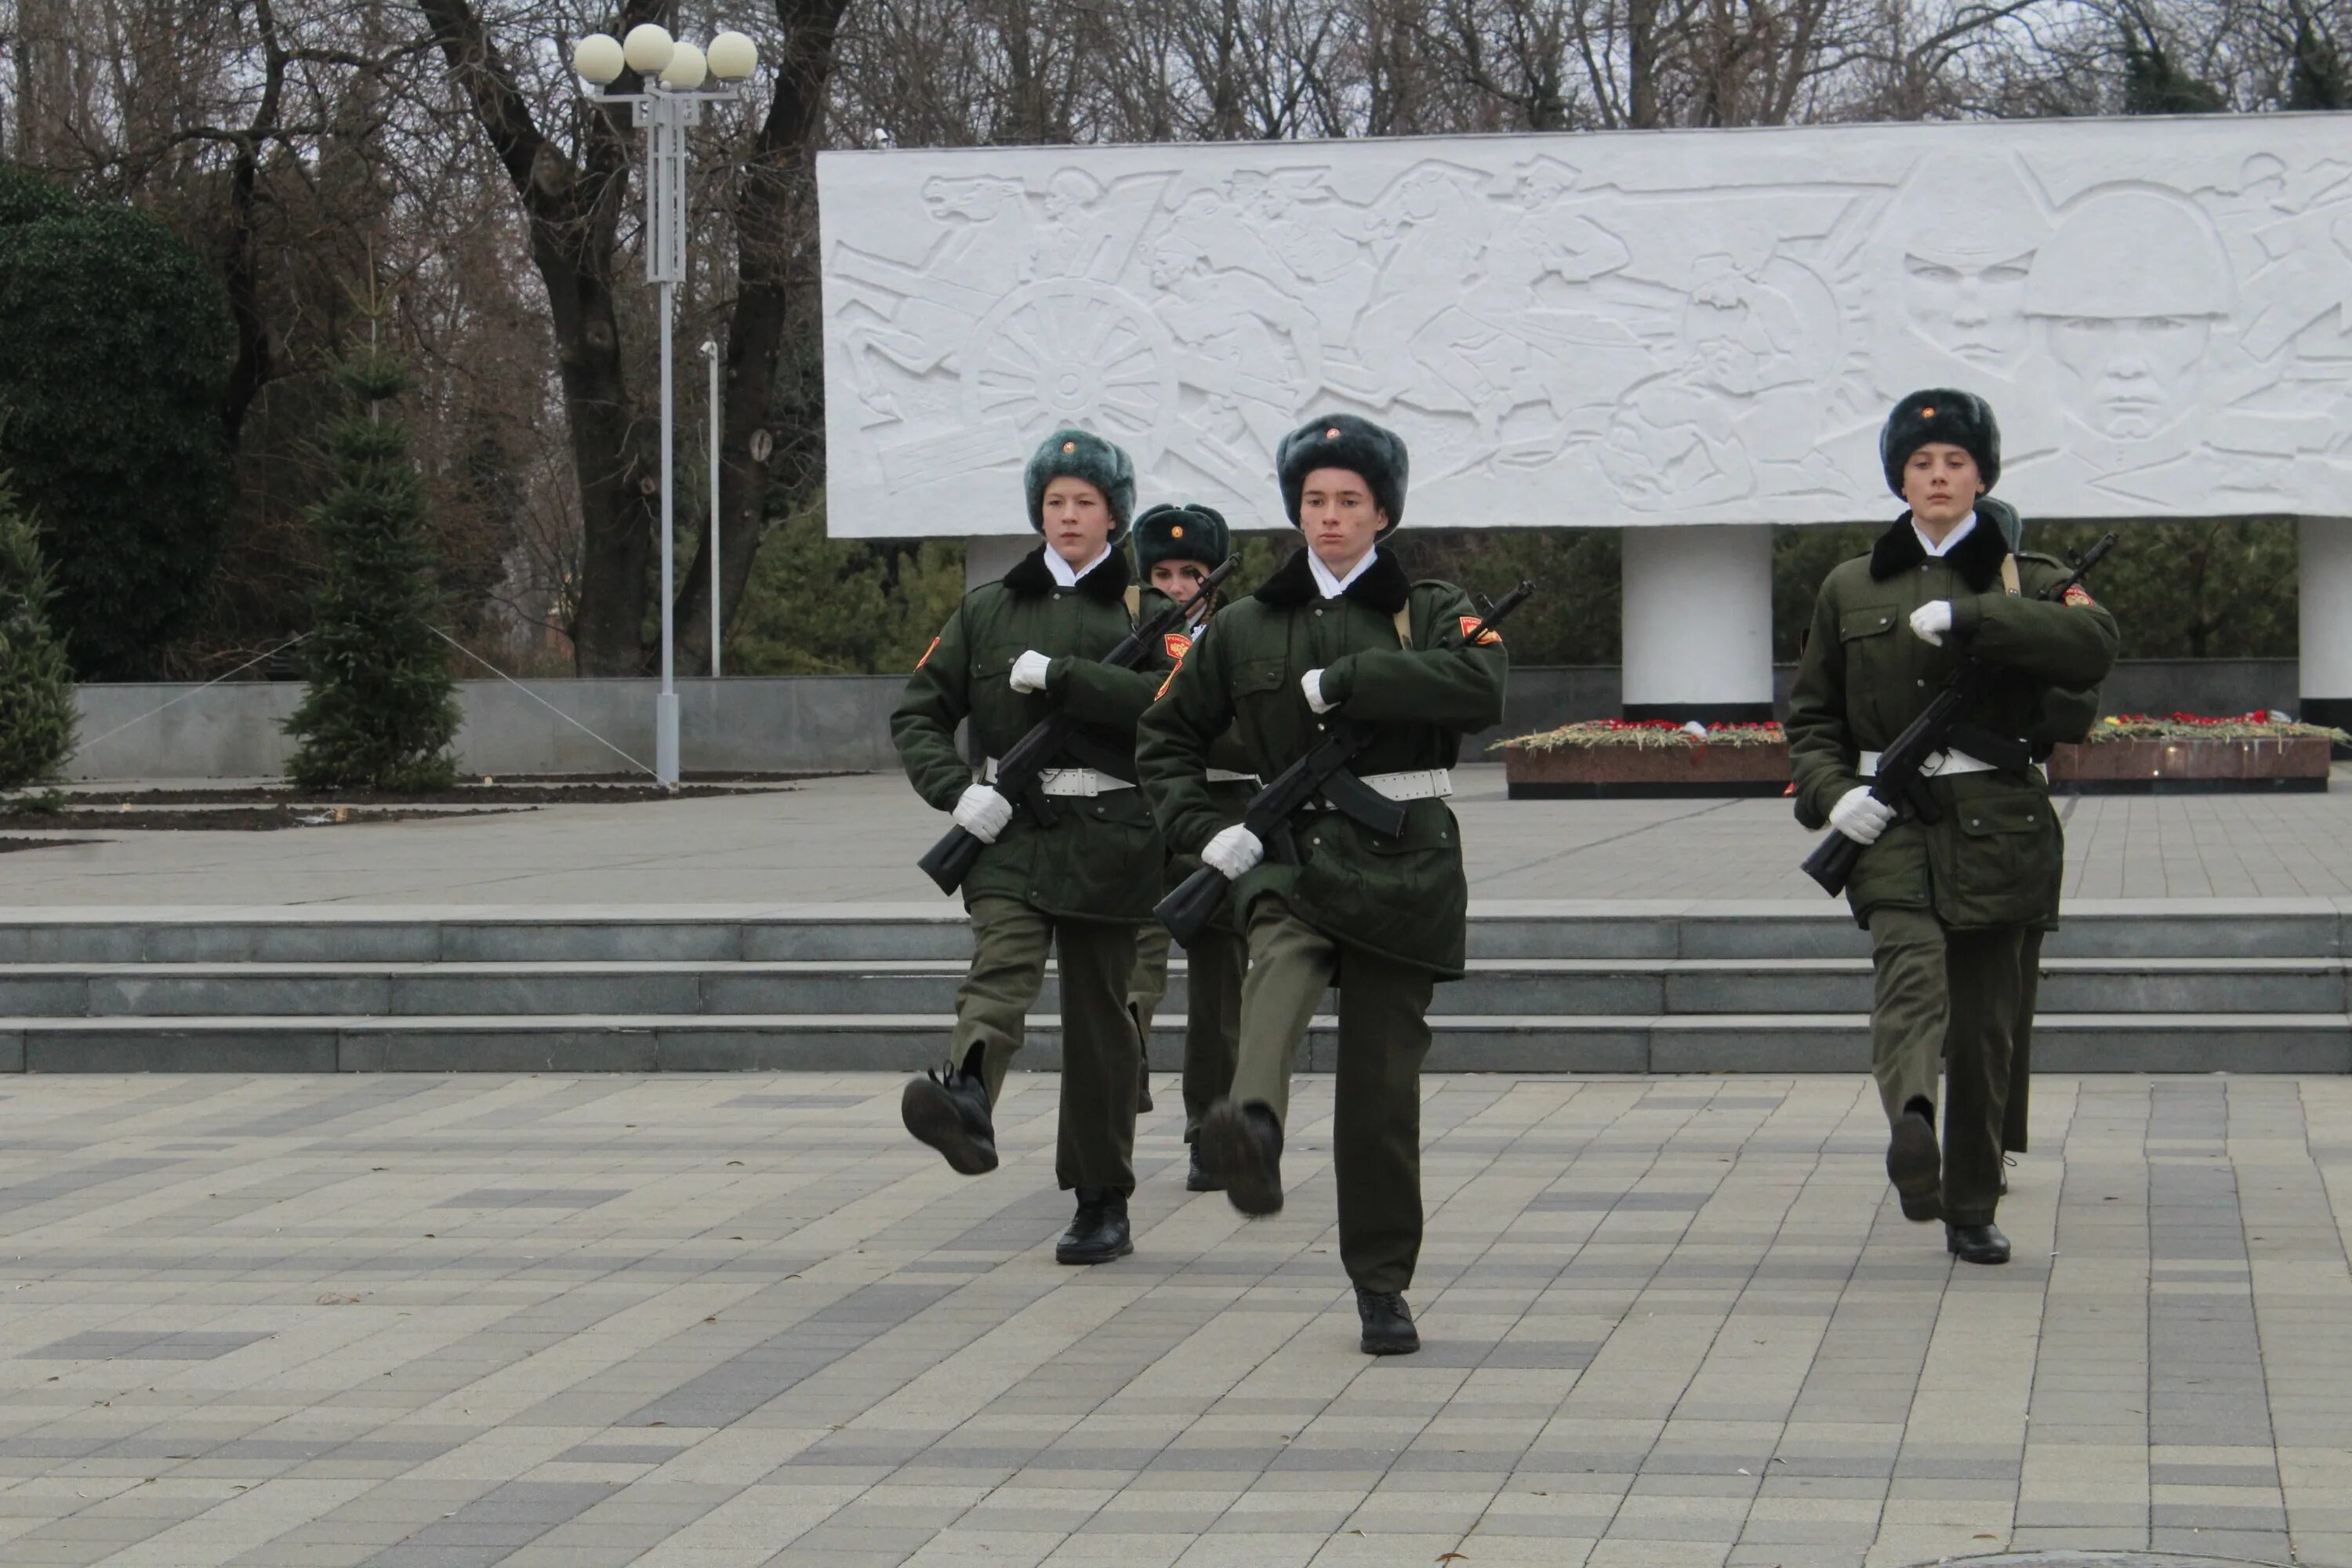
{"points": [[1602, 330]]}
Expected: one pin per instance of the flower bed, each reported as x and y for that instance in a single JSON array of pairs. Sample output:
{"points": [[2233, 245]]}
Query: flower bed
{"points": [[2128, 754], [2192, 752], [1605, 758]]}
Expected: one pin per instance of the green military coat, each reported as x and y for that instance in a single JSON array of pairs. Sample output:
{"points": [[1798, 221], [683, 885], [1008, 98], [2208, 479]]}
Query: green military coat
{"points": [[1997, 857], [1101, 860], [1403, 898]]}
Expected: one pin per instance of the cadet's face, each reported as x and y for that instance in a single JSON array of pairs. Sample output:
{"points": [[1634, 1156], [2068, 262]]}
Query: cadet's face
{"points": [[1941, 484], [2130, 373], [1078, 521], [1974, 312], [1180, 580], [1337, 514]]}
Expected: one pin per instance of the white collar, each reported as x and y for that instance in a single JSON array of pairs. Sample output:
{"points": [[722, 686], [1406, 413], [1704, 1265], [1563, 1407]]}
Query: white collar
{"points": [[1967, 526], [1331, 588], [1064, 572]]}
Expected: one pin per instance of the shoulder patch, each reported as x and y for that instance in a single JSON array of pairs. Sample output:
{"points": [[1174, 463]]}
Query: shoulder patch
{"points": [[1470, 624], [926, 654], [2078, 595], [1177, 644]]}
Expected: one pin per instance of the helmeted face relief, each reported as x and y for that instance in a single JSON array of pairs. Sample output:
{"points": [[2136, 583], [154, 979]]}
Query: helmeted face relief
{"points": [[1940, 485], [2129, 371], [2128, 290], [1337, 513], [1078, 521], [1960, 276]]}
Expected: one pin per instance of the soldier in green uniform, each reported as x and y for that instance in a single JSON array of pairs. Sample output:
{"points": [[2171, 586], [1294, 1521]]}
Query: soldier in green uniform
{"points": [[1949, 907], [1071, 872], [1338, 632], [1177, 547]]}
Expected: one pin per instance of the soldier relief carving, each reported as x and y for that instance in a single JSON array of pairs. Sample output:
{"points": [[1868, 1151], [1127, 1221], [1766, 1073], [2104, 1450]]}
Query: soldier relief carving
{"points": [[1604, 330]]}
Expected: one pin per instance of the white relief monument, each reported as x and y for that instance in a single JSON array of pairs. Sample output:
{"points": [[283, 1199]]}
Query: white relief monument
{"points": [[1637, 330]]}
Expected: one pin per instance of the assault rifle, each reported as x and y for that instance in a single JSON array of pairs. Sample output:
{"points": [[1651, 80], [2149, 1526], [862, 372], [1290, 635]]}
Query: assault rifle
{"points": [[1044, 748], [1941, 727], [1322, 774]]}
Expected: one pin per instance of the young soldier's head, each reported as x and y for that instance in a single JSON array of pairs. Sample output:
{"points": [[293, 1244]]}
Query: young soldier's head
{"points": [[1081, 489], [1179, 545], [1941, 451], [1343, 483]]}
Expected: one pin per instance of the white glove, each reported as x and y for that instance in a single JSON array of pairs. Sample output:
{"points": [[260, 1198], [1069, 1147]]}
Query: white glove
{"points": [[1861, 815], [983, 813], [1232, 852], [1931, 621], [1029, 671], [1311, 683]]}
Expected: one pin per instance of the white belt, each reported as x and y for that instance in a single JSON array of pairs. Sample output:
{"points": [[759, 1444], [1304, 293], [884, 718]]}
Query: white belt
{"points": [[1064, 781], [1226, 775], [1424, 784], [1938, 765]]}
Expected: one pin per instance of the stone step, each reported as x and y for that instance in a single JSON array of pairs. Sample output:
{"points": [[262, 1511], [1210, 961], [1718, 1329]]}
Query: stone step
{"points": [[1779, 1043], [1522, 987], [2308, 928]]}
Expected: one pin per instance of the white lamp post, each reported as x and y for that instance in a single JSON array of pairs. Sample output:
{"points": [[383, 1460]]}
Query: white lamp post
{"points": [[670, 104]]}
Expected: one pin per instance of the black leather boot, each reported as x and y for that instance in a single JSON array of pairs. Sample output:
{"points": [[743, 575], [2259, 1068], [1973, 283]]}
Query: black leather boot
{"points": [[1388, 1323], [1200, 1178], [1915, 1164], [948, 1109], [1240, 1145], [1098, 1232], [1976, 1243]]}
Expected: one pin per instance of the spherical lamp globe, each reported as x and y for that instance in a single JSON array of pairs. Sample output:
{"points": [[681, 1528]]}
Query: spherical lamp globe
{"points": [[647, 48], [685, 68], [598, 58], [733, 57]]}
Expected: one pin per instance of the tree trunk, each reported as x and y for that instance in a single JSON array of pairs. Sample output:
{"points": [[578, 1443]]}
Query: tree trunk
{"points": [[573, 217], [778, 302]]}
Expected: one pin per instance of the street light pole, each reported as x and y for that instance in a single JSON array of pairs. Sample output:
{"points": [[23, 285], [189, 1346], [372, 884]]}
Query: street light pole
{"points": [[671, 105], [710, 350]]}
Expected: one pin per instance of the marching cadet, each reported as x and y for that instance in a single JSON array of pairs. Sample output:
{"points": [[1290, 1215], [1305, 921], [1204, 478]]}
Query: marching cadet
{"points": [[1177, 547], [1949, 907], [1338, 632], [1071, 874]]}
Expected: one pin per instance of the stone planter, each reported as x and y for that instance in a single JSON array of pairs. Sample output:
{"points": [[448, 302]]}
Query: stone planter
{"points": [[1638, 773], [2192, 765]]}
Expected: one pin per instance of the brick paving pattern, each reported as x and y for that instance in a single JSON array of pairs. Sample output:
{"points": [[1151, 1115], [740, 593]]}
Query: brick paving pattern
{"points": [[704, 1323]]}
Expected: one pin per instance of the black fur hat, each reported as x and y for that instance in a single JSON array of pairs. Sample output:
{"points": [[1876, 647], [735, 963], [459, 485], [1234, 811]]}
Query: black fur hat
{"points": [[1940, 413], [1077, 455], [1344, 441], [1185, 532]]}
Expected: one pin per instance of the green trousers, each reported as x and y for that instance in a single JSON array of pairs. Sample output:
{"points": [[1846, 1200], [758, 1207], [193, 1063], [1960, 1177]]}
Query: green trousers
{"points": [[1213, 1007], [1383, 1040], [1953, 999], [2021, 1049], [1101, 1053]]}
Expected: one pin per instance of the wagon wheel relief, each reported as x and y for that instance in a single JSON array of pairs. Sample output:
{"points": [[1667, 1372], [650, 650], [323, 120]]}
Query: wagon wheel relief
{"points": [[1071, 352]]}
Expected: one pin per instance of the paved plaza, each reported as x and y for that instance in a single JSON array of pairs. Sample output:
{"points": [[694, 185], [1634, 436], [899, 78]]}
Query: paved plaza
{"points": [[710, 1322], [855, 838]]}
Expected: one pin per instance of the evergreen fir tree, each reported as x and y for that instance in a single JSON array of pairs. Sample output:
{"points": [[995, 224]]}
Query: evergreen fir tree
{"points": [[36, 700], [382, 708]]}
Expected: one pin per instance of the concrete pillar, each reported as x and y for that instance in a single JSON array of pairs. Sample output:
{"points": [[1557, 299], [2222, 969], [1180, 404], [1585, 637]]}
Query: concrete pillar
{"points": [[2325, 570], [988, 557], [1699, 623]]}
